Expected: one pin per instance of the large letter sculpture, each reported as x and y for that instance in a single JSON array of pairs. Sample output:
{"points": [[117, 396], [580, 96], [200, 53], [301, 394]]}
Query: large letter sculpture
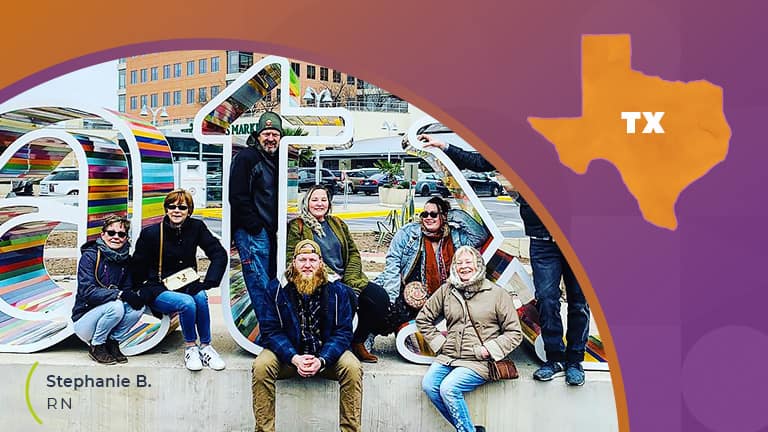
{"points": [[210, 127], [34, 308]]}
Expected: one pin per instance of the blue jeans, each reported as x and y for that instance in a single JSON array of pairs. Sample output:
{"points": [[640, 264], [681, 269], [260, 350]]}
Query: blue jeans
{"points": [[193, 312], [111, 320], [445, 386], [255, 253], [549, 266]]}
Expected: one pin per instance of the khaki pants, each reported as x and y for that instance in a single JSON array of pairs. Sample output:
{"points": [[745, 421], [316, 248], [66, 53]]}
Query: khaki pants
{"points": [[347, 371]]}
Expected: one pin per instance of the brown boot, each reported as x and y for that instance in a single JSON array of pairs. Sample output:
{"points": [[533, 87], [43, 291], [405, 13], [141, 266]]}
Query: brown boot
{"points": [[100, 354], [113, 347], [358, 349]]}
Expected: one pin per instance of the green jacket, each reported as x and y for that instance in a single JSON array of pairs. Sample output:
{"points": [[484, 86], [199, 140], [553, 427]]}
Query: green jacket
{"points": [[353, 267]]}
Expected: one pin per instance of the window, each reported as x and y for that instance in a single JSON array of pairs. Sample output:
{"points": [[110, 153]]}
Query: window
{"points": [[167, 98], [202, 94], [336, 76], [190, 67], [190, 96], [133, 77], [153, 74], [360, 84], [310, 72], [238, 61], [350, 80], [176, 70], [177, 97], [296, 69], [143, 75], [166, 71], [153, 100], [214, 91], [121, 79], [202, 66], [121, 60], [121, 103], [323, 74], [134, 101], [214, 64], [143, 101]]}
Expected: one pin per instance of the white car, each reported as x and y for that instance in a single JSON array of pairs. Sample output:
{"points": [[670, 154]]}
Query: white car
{"points": [[65, 181]]}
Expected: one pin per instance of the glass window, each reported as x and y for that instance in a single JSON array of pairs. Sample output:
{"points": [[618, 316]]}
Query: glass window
{"points": [[176, 70], [166, 98], [121, 60], [190, 67], [202, 66], [190, 96], [214, 64], [214, 91], [134, 101], [360, 84], [121, 103], [350, 80], [153, 73], [143, 101], [323, 74], [310, 72], [202, 94], [143, 75], [177, 97], [133, 77], [121, 79], [166, 71], [153, 100], [296, 68], [336, 76]]}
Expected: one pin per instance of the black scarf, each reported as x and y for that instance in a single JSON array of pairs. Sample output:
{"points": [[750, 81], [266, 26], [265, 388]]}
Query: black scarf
{"points": [[118, 256]]}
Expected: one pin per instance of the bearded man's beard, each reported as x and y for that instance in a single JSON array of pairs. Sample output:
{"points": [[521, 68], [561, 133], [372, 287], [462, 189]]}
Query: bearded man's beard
{"points": [[308, 284]]}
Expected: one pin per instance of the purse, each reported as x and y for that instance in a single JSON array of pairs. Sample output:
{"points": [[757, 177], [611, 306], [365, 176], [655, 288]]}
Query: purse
{"points": [[497, 370], [178, 280], [415, 294]]}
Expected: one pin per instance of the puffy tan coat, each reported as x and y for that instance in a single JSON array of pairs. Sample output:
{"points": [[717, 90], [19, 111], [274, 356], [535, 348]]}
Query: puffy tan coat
{"points": [[494, 314]]}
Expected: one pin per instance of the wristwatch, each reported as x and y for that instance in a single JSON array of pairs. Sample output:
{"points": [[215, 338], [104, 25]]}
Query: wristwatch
{"points": [[119, 295]]}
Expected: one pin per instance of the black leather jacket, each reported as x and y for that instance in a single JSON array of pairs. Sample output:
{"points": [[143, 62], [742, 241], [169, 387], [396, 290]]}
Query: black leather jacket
{"points": [[253, 188]]}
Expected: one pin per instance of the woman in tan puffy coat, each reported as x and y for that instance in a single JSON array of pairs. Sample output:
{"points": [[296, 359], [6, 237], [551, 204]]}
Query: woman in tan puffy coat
{"points": [[461, 363]]}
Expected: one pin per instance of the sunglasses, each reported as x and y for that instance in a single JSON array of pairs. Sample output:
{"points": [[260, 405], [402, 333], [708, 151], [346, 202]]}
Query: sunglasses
{"points": [[174, 207], [429, 214], [121, 234]]}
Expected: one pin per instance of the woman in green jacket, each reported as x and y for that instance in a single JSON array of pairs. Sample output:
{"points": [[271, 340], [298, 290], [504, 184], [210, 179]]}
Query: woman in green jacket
{"points": [[342, 261]]}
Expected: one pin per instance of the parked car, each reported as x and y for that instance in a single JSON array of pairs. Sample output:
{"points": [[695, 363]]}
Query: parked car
{"points": [[64, 181], [355, 177], [307, 180], [371, 184], [429, 184], [483, 184]]}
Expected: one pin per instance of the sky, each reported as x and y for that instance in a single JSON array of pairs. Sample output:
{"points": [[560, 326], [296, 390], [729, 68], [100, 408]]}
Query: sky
{"points": [[95, 85]]}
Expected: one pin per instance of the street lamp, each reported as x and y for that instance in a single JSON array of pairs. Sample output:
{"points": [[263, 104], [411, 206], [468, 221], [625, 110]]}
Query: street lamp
{"points": [[389, 127], [323, 97], [145, 112]]}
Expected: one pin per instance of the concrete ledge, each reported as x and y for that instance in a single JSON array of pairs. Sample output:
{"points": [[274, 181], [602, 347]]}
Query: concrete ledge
{"points": [[176, 399]]}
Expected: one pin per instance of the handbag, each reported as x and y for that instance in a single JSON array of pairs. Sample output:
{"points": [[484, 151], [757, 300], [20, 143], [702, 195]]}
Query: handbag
{"points": [[415, 294], [497, 370], [178, 280]]}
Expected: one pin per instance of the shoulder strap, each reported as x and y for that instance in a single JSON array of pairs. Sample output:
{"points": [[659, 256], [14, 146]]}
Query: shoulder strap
{"points": [[160, 261], [96, 269], [473, 323]]}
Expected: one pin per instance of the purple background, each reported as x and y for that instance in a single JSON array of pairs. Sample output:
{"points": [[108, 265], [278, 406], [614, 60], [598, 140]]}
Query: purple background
{"points": [[686, 308]]}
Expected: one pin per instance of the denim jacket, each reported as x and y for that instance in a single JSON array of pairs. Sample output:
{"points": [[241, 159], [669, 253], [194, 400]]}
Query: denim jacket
{"points": [[407, 243]]}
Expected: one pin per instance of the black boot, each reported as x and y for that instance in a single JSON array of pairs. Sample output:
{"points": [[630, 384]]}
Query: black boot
{"points": [[479, 428], [113, 347], [100, 354]]}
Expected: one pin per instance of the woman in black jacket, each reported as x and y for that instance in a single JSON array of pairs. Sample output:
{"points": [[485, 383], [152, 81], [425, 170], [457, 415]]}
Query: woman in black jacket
{"points": [[179, 236], [106, 307]]}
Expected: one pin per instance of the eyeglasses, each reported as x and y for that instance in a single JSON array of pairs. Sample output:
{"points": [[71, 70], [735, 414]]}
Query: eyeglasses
{"points": [[429, 214], [174, 207], [121, 234]]}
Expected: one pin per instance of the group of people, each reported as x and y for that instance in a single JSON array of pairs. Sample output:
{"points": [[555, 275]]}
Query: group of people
{"points": [[305, 315]]}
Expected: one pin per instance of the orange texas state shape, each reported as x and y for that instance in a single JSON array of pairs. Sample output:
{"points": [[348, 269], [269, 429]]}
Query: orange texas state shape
{"points": [[680, 131]]}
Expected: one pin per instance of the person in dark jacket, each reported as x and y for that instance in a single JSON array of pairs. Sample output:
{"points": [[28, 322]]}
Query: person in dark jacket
{"points": [[253, 182], [181, 236], [106, 307], [549, 266], [306, 330]]}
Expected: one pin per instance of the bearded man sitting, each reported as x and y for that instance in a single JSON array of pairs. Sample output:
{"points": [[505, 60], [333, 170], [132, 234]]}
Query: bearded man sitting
{"points": [[305, 327]]}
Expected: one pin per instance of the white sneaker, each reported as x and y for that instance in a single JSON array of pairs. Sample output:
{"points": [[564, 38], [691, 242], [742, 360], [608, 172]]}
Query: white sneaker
{"points": [[211, 358], [192, 358]]}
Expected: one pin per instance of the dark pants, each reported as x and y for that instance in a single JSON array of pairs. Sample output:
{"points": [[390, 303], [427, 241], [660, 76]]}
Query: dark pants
{"points": [[549, 266], [372, 308]]}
